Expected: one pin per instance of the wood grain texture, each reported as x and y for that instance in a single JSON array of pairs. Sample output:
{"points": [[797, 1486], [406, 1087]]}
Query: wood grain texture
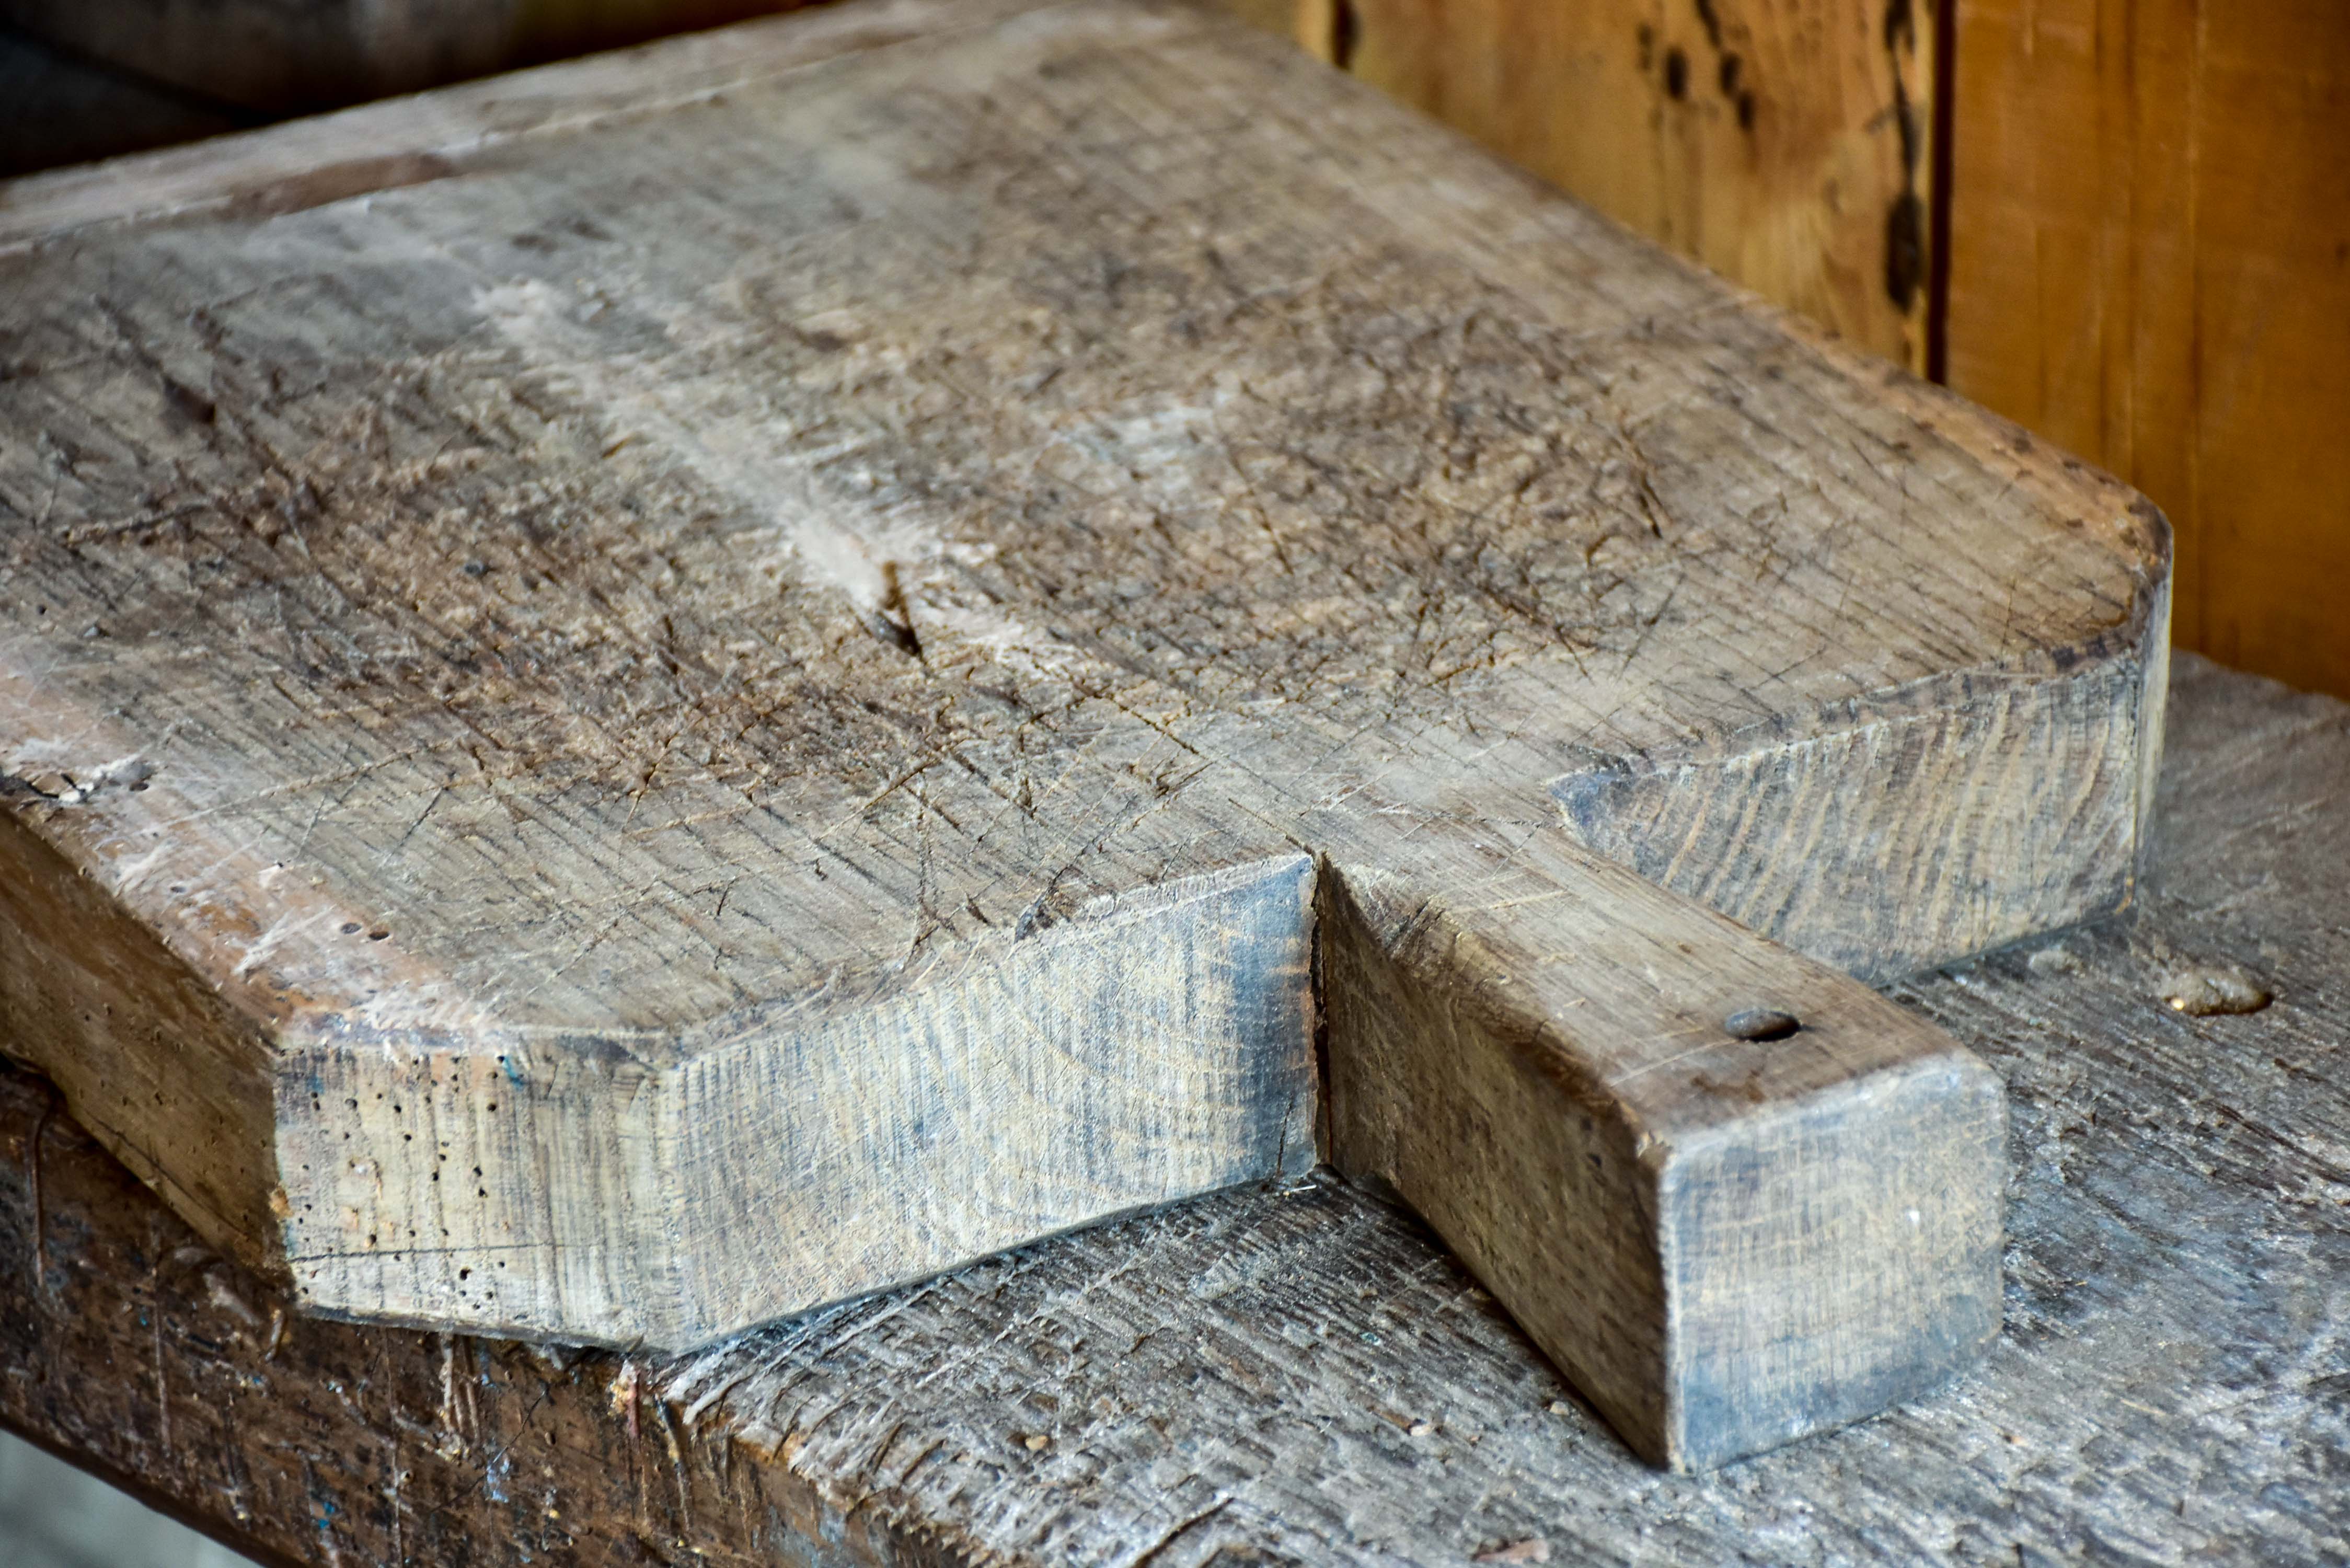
{"points": [[1303, 1375], [1787, 829], [2150, 266], [2146, 264], [1149, 1047], [1727, 1243], [338, 157], [693, 634], [1784, 143]]}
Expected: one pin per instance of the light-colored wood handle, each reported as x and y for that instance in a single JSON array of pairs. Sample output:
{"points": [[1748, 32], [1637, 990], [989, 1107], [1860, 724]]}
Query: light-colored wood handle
{"points": [[1736, 1196]]}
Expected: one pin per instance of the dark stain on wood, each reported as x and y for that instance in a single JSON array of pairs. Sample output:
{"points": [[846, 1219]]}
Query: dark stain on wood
{"points": [[1907, 256], [340, 182], [1345, 32], [1905, 249], [1711, 21]]}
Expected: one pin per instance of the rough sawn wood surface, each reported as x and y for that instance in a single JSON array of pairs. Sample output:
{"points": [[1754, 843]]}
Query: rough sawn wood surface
{"points": [[1302, 1375], [619, 729]]}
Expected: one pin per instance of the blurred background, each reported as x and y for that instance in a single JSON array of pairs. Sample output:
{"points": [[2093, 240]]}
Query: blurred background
{"points": [[53, 1516], [2124, 223]]}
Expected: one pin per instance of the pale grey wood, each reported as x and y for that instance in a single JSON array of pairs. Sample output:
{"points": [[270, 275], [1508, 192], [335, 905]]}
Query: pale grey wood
{"points": [[1805, 832], [1302, 1375], [1148, 1048], [670, 691], [1726, 1243], [1306, 1376]]}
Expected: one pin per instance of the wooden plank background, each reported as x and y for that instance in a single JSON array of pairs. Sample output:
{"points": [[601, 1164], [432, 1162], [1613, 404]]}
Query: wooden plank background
{"points": [[2124, 223], [1784, 143], [2150, 265]]}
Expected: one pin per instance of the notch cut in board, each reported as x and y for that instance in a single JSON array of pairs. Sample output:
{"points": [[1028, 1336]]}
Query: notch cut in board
{"points": [[763, 680]]}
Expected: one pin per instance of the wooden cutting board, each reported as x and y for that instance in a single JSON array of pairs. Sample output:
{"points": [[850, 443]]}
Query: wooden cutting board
{"points": [[647, 695]]}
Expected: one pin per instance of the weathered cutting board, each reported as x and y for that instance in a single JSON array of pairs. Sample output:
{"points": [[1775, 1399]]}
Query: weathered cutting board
{"points": [[639, 697]]}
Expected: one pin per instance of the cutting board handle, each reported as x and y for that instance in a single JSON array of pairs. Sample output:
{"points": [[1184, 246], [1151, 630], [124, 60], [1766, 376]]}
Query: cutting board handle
{"points": [[1737, 1197]]}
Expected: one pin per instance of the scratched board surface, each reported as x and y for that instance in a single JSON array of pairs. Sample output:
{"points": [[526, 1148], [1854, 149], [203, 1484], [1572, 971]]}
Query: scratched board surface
{"points": [[1302, 1375], [597, 474], [556, 609]]}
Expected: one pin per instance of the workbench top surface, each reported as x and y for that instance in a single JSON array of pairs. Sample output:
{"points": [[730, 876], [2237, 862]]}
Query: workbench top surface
{"points": [[1302, 1373]]}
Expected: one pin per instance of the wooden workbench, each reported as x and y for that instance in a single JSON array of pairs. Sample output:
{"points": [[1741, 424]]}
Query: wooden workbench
{"points": [[1302, 1375]]}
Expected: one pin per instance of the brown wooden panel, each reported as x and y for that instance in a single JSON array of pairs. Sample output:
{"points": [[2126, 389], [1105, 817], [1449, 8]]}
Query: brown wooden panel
{"points": [[1784, 143], [2150, 265]]}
